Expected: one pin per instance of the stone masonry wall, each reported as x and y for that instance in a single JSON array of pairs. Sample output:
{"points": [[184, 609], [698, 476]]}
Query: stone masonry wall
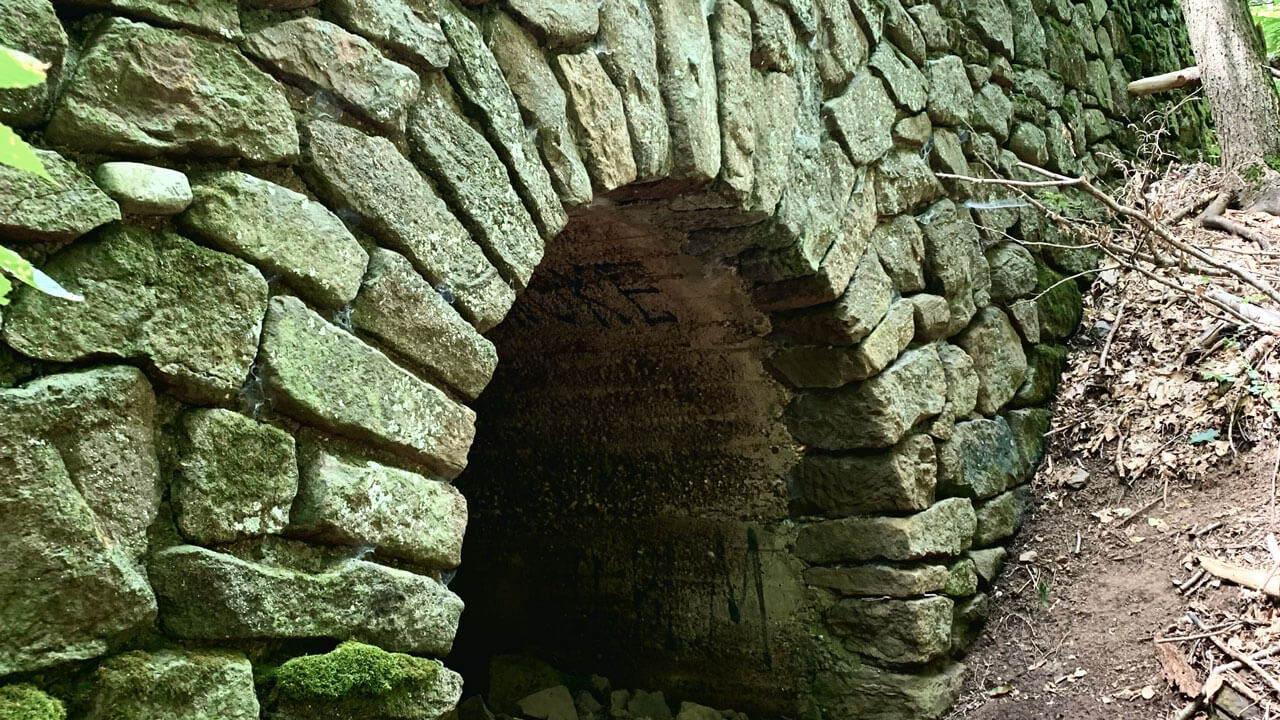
{"points": [[225, 477]]}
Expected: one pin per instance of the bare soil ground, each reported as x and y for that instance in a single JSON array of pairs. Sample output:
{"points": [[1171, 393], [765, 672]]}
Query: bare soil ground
{"points": [[1165, 453]]}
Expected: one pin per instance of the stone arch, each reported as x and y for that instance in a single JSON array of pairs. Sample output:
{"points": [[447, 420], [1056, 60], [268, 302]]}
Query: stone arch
{"points": [[239, 450]]}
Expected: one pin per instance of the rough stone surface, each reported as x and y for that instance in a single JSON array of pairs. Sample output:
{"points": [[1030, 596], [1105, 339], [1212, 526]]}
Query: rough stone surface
{"points": [[688, 85], [945, 529], [192, 314], [408, 27], [1001, 516], [849, 319], [950, 96], [32, 27], [280, 231], [1013, 272], [1045, 364], [566, 24], [979, 461], [206, 595], [895, 631], [987, 563], [321, 374], [220, 495], [833, 367], [899, 244], [352, 501], [731, 37], [177, 684], [127, 96], [144, 189], [32, 209], [1058, 304], [879, 580], [630, 56], [998, 358], [899, 480], [554, 703], [599, 120], [401, 310], [863, 119], [904, 182], [79, 486], [860, 689], [216, 17], [954, 264]]}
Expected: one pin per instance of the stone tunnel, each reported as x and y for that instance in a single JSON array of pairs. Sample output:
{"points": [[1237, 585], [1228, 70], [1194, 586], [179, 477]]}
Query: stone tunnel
{"points": [[644, 328]]}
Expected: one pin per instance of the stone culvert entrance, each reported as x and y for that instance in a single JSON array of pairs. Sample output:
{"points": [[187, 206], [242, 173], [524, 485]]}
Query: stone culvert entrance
{"points": [[764, 412]]}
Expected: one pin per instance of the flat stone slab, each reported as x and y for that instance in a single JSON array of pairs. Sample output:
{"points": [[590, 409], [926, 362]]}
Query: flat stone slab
{"points": [[412, 30], [946, 528], [322, 374], [127, 96], [218, 17], [33, 209], [895, 631], [143, 189], [899, 480], [206, 595], [178, 684]]}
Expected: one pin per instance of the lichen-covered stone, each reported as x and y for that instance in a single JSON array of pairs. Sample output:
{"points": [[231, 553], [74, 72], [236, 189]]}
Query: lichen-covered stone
{"points": [[879, 580], [904, 182], [280, 231], [319, 55], [560, 24], [899, 244], [895, 631], [143, 189], [863, 118], [1045, 364], [1001, 516], [1058, 303], [597, 112], [861, 689], [1013, 272], [944, 529], [323, 375], [775, 128], [903, 80], [190, 313], [954, 264], [962, 389], [128, 96], [731, 46], [832, 367], [899, 480], [992, 111], [998, 358], [362, 682], [932, 316], [217, 17], [173, 684], [358, 502], [25, 701], [987, 563], [950, 95], [629, 54], [850, 318], [33, 209], [401, 310], [1029, 426], [962, 579], [840, 44], [79, 487], [408, 27], [236, 477], [206, 595], [979, 461], [368, 176], [476, 183], [873, 413], [32, 27], [478, 79], [688, 85], [543, 104]]}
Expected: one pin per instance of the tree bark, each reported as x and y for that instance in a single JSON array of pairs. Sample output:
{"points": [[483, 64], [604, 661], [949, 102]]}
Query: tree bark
{"points": [[1232, 61]]}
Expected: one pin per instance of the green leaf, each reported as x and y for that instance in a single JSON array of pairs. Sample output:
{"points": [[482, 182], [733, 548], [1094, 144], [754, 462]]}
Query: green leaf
{"points": [[15, 152], [13, 264], [20, 70], [49, 286], [17, 266], [6, 287], [1204, 436]]}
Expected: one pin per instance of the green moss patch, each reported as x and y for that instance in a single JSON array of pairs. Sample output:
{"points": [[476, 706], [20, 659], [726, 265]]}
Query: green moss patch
{"points": [[352, 670], [27, 702]]}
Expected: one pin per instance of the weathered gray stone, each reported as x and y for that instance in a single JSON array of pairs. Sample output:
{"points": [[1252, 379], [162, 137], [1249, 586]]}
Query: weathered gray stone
{"points": [[402, 311], [144, 189], [32, 27], [993, 23], [997, 356], [987, 563], [932, 317], [913, 131], [323, 375], [694, 711], [879, 580], [905, 82], [872, 413], [362, 682], [190, 313], [1029, 143], [319, 55], [1013, 272], [560, 25], [1026, 320], [962, 580], [1058, 303], [1001, 516], [775, 128], [688, 84], [896, 631], [33, 209], [861, 689], [218, 17], [903, 32], [947, 155], [597, 112], [904, 182], [848, 320], [899, 480], [774, 42], [841, 46], [992, 111], [478, 79], [177, 684], [950, 96], [280, 231], [236, 477], [79, 487], [954, 264], [979, 461], [126, 96], [353, 501], [967, 621], [649, 705], [408, 27], [1028, 33], [962, 389], [862, 118], [206, 595], [735, 92], [944, 529], [629, 54], [833, 367], [554, 703], [393, 202], [1045, 364], [936, 34], [542, 103], [899, 244]]}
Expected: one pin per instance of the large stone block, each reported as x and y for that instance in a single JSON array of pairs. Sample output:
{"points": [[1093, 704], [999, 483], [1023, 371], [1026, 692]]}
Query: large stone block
{"points": [[192, 314], [174, 685], [79, 487], [349, 500], [998, 358], [280, 231], [388, 198], [1001, 516], [954, 264], [128, 95], [980, 460], [630, 56], [944, 529], [33, 209], [236, 477], [319, 55], [1058, 304], [873, 413], [205, 595], [850, 318], [561, 25], [735, 93], [688, 84], [324, 375], [408, 27], [833, 367], [863, 118], [896, 631], [899, 480], [143, 189], [862, 690], [950, 95], [599, 120], [32, 27], [879, 580], [217, 17]]}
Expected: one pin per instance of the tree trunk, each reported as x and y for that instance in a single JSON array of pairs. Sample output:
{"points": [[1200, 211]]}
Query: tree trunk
{"points": [[1246, 109]]}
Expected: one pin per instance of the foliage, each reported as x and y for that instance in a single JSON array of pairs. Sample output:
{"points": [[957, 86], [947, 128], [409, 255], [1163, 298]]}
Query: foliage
{"points": [[351, 669]]}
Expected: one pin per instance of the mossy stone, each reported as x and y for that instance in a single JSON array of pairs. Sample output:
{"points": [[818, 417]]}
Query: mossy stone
{"points": [[1058, 303], [363, 682], [173, 685]]}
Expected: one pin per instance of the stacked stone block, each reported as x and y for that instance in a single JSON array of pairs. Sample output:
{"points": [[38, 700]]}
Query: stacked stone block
{"points": [[293, 220]]}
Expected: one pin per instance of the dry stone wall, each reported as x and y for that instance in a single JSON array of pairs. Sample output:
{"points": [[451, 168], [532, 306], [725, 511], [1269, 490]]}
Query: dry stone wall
{"points": [[294, 221]]}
